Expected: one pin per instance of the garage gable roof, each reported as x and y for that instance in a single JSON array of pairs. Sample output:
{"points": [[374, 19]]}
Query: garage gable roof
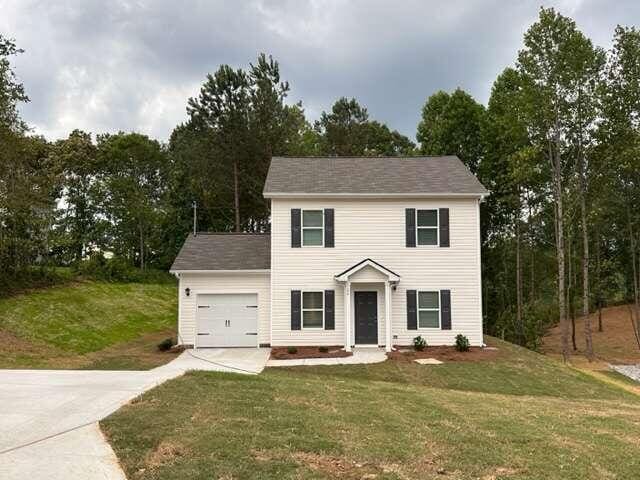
{"points": [[371, 176], [224, 251]]}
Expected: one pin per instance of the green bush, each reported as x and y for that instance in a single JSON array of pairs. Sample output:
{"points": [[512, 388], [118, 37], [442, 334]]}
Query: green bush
{"points": [[118, 269], [166, 344], [462, 343], [323, 349], [419, 343], [292, 350]]}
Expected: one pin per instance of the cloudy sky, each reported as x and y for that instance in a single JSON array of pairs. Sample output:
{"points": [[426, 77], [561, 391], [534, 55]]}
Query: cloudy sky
{"points": [[104, 66]]}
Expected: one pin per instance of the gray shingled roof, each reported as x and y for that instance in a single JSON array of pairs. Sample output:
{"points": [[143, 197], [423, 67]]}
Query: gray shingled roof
{"points": [[224, 251], [371, 175]]}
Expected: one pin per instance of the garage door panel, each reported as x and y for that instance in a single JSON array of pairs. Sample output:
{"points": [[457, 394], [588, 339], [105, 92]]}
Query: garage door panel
{"points": [[227, 320]]}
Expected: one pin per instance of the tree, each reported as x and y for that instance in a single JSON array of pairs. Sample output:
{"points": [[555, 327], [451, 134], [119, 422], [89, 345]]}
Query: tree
{"points": [[133, 182], [547, 67], [11, 91], [76, 158], [451, 124], [347, 131]]}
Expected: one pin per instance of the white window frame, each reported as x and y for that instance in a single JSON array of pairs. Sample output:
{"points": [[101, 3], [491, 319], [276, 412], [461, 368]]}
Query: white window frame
{"points": [[303, 228], [439, 310], [437, 227], [302, 309]]}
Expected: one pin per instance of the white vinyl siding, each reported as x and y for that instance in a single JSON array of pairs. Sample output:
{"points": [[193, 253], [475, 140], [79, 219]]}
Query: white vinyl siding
{"points": [[375, 228], [203, 283]]}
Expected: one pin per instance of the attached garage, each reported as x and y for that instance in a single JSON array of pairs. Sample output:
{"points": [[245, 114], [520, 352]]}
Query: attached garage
{"points": [[227, 320], [224, 290]]}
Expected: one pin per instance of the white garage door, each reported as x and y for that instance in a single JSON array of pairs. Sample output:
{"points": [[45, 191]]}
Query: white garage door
{"points": [[227, 320]]}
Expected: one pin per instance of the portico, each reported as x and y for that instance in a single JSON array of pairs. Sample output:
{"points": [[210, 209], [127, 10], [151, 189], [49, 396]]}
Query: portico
{"points": [[367, 285]]}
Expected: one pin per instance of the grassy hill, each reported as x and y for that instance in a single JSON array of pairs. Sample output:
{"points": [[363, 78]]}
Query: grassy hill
{"points": [[520, 415], [87, 324]]}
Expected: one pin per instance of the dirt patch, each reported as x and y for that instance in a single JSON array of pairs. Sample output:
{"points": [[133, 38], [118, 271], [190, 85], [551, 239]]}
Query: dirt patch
{"points": [[337, 467], [282, 353], [446, 354], [615, 344], [165, 453]]}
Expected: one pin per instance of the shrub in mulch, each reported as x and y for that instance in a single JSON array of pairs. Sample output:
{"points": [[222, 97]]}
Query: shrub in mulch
{"points": [[445, 354], [286, 353]]}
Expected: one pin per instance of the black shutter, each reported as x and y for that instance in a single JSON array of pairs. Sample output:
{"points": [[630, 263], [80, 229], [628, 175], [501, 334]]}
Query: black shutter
{"points": [[444, 227], [295, 309], [412, 311], [445, 307], [328, 227], [296, 233], [329, 310], [410, 214]]}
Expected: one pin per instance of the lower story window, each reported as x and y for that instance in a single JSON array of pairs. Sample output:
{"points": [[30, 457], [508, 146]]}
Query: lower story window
{"points": [[429, 309], [312, 309]]}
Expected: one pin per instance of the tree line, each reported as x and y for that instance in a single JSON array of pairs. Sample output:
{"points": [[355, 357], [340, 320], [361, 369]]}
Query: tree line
{"points": [[556, 145]]}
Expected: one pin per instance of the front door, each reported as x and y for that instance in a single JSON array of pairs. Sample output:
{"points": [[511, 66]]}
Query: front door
{"points": [[366, 306]]}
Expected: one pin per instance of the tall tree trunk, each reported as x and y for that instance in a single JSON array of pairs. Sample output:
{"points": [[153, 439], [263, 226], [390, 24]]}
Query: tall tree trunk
{"points": [[519, 319], [554, 155], [599, 299], [632, 244], [236, 196], [588, 337], [141, 248]]}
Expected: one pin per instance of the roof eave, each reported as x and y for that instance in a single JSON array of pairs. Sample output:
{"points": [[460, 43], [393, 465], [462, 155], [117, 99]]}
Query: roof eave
{"points": [[479, 195]]}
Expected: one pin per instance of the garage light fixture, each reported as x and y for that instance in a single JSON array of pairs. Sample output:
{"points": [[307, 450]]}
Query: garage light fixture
{"points": [[187, 291]]}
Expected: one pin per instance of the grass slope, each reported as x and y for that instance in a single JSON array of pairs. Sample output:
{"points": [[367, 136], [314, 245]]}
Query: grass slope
{"points": [[520, 416], [68, 326]]}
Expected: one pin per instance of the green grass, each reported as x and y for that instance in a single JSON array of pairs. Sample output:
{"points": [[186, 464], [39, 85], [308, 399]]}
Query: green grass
{"points": [[55, 325], [521, 416]]}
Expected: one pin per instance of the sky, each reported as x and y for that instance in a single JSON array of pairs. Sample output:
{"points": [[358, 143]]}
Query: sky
{"points": [[108, 66]]}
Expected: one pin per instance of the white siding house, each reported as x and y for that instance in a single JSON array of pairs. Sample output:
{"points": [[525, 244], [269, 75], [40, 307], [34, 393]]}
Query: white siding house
{"points": [[354, 242]]}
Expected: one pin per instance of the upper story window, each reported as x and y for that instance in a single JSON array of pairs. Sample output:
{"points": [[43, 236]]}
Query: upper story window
{"points": [[312, 228], [427, 227]]}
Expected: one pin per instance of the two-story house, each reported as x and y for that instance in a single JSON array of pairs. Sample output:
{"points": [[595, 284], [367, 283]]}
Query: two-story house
{"points": [[362, 251]]}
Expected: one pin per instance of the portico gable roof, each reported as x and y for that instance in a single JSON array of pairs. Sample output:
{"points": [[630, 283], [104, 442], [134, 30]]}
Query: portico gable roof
{"points": [[367, 262]]}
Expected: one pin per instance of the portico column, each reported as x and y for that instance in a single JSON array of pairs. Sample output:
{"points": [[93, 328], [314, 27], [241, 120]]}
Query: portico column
{"points": [[387, 315], [347, 316]]}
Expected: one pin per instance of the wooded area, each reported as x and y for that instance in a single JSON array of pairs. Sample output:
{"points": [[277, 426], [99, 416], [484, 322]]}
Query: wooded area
{"points": [[558, 146]]}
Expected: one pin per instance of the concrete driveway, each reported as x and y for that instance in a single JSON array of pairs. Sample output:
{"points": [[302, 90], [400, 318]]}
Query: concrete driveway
{"points": [[48, 418]]}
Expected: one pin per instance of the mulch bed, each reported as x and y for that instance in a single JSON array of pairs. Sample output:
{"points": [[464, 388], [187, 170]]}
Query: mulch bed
{"points": [[444, 354], [282, 353]]}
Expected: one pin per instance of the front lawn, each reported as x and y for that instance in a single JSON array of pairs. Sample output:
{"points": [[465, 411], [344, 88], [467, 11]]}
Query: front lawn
{"points": [[517, 416], [87, 324]]}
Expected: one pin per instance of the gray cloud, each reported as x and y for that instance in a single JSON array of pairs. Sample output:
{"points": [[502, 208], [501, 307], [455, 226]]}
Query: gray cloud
{"points": [[131, 65]]}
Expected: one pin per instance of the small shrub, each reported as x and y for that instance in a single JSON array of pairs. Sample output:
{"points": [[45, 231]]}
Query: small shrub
{"points": [[323, 349], [462, 343], [166, 344], [292, 350], [419, 343]]}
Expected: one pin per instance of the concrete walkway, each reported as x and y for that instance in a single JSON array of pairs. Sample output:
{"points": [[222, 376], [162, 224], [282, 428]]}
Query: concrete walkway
{"points": [[360, 355], [48, 418], [631, 371]]}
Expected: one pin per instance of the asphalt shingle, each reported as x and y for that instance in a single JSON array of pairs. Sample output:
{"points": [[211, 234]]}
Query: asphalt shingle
{"points": [[224, 251], [371, 175]]}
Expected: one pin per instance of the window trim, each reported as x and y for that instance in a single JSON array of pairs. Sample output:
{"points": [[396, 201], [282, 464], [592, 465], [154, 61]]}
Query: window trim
{"points": [[302, 309], [418, 309], [302, 227], [436, 227]]}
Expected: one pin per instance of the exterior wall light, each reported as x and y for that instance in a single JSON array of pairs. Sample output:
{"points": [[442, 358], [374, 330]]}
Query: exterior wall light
{"points": [[187, 291]]}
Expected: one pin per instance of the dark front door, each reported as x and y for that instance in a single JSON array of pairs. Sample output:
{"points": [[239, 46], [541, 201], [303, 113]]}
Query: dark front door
{"points": [[366, 317]]}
